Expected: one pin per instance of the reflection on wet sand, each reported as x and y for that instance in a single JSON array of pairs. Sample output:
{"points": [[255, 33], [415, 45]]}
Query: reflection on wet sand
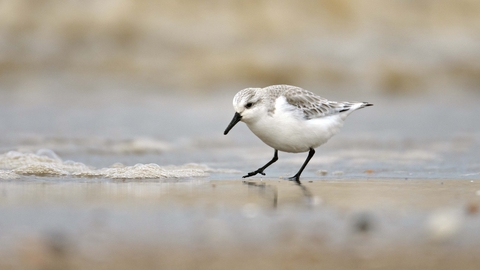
{"points": [[264, 190], [205, 223]]}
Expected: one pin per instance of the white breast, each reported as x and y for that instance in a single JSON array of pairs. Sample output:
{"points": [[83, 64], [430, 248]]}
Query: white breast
{"points": [[288, 131]]}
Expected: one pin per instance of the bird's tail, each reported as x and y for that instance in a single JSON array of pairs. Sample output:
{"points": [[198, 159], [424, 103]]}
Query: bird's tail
{"points": [[365, 104], [359, 105], [349, 107]]}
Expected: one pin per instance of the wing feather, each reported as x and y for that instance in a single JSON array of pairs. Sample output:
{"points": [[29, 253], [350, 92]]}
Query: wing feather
{"points": [[314, 106], [311, 105]]}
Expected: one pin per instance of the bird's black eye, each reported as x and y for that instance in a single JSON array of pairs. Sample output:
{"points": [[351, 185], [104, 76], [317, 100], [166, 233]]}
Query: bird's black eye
{"points": [[249, 105]]}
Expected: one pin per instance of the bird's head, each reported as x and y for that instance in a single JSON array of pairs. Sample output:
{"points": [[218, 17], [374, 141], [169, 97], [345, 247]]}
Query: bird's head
{"points": [[247, 105]]}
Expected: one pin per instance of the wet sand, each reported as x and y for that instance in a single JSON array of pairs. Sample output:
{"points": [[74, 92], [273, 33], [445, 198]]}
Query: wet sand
{"points": [[209, 224], [398, 188]]}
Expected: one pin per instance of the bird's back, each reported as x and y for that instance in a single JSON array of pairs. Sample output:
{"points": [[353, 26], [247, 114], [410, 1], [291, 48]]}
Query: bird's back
{"points": [[312, 105]]}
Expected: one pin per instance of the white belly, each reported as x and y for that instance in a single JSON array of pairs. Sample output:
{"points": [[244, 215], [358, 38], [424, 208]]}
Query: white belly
{"points": [[290, 132]]}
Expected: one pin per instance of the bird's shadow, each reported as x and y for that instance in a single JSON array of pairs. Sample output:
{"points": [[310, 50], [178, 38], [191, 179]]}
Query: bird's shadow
{"points": [[264, 189]]}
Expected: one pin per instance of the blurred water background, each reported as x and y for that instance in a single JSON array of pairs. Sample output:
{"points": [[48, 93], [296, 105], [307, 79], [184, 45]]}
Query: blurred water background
{"points": [[90, 88], [368, 46], [122, 77]]}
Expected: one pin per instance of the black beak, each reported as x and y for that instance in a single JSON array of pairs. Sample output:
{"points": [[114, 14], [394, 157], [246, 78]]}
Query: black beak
{"points": [[236, 118]]}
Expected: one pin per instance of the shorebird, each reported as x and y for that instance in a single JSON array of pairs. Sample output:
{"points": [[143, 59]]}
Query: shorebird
{"points": [[290, 119]]}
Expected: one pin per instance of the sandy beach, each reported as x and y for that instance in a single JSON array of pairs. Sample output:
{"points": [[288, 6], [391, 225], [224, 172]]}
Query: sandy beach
{"points": [[341, 224]]}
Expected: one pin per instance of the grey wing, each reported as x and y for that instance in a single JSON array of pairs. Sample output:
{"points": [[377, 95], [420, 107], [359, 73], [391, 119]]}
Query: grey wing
{"points": [[314, 106]]}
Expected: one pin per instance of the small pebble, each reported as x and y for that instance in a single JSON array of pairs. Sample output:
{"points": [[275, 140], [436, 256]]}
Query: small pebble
{"points": [[444, 224], [472, 208], [363, 223]]}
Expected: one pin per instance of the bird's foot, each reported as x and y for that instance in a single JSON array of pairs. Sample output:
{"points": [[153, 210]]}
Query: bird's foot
{"points": [[295, 178], [259, 171]]}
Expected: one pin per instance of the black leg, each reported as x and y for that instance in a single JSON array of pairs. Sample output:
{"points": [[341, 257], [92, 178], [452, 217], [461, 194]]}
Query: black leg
{"points": [[296, 177], [260, 170]]}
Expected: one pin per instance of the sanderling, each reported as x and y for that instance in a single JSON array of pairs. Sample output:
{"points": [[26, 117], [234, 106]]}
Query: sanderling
{"points": [[290, 119]]}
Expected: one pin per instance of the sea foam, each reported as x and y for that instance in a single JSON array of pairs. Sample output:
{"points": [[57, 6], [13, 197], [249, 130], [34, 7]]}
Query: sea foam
{"points": [[46, 163]]}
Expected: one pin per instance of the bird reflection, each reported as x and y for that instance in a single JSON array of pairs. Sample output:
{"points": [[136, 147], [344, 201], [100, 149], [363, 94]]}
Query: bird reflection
{"points": [[265, 191]]}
